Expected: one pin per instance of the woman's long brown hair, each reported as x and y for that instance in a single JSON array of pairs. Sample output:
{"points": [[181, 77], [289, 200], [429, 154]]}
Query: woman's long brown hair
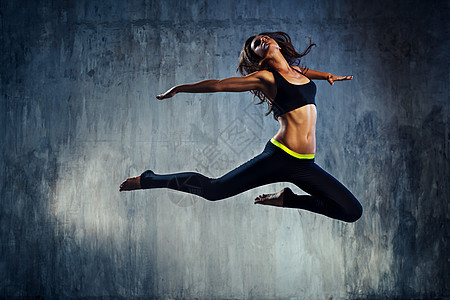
{"points": [[249, 62]]}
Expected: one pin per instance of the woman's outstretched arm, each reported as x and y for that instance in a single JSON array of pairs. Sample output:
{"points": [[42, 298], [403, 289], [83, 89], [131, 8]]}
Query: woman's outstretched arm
{"points": [[254, 81], [313, 74]]}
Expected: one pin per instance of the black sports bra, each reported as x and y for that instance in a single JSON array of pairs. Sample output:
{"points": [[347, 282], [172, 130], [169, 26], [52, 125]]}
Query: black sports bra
{"points": [[291, 96]]}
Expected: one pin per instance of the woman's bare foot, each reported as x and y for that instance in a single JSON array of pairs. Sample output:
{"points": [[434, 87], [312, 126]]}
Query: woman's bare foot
{"points": [[273, 199], [130, 184]]}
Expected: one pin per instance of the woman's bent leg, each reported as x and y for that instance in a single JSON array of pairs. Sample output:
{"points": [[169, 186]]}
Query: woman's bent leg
{"points": [[327, 195]]}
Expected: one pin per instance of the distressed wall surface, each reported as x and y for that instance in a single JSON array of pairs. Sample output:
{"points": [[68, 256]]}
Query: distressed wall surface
{"points": [[79, 115]]}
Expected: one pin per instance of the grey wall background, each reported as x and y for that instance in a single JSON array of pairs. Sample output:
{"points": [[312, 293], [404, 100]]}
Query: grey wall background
{"points": [[79, 115]]}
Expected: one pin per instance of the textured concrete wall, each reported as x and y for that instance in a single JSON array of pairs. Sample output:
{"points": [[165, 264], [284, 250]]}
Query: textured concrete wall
{"points": [[79, 115]]}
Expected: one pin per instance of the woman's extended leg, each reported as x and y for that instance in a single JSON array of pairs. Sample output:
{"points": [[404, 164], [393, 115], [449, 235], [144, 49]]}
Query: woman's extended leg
{"points": [[260, 170]]}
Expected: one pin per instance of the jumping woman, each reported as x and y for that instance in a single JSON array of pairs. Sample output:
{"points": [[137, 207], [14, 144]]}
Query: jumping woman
{"points": [[271, 71]]}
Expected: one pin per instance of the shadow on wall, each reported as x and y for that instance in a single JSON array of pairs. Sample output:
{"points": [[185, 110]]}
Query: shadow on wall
{"points": [[109, 237]]}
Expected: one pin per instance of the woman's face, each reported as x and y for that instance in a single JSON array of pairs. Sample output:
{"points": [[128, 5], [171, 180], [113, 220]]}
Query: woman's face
{"points": [[262, 44]]}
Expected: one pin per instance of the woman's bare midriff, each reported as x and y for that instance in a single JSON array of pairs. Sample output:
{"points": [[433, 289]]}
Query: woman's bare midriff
{"points": [[298, 129]]}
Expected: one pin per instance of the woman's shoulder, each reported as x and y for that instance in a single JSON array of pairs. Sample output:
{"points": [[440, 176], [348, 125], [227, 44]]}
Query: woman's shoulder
{"points": [[265, 75], [263, 72], [262, 75]]}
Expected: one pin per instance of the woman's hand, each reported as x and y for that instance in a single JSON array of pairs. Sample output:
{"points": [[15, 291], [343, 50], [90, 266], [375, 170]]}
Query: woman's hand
{"points": [[170, 93], [332, 78]]}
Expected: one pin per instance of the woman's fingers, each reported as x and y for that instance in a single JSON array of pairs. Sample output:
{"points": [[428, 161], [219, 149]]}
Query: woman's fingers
{"points": [[345, 77], [163, 96], [170, 93]]}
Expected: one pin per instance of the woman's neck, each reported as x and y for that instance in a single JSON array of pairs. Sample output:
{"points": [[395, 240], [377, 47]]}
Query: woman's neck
{"points": [[278, 62]]}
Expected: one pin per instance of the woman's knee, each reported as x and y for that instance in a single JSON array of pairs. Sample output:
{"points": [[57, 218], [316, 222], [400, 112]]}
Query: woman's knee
{"points": [[354, 214]]}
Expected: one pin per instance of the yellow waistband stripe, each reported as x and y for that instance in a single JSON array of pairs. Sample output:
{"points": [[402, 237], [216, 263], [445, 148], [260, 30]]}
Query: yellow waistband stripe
{"points": [[290, 152]]}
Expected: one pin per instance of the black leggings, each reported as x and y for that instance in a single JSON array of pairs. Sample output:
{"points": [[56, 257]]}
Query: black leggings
{"points": [[327, 196]]}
